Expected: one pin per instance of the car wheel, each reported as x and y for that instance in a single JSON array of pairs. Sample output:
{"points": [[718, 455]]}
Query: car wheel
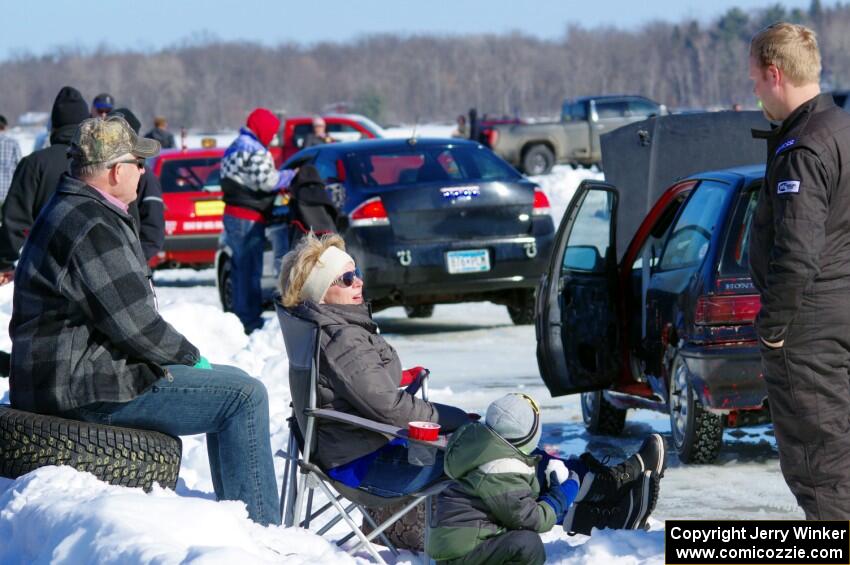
{"points": [[697, 433], [419, 311], [522, 309], [600, 416], [116, 455], [538, 160], [225, 284]]}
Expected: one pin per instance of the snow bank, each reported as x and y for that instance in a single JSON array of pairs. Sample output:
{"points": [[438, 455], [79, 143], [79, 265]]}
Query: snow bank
{"points": [[58, 515]]}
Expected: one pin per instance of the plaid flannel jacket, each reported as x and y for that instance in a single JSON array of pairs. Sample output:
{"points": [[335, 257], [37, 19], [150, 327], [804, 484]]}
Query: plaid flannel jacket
{"points": [[84, 323], [10, 156]]}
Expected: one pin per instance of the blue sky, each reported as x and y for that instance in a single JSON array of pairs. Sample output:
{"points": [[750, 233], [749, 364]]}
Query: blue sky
{"points": [[38, 26]]}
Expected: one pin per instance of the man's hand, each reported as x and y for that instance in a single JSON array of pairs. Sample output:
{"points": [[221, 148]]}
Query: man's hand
{"points": [[773, 344], [6, 277]]}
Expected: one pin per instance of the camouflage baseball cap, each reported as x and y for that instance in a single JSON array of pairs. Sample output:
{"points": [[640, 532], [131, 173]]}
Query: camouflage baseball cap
{"points": [[105, 141]]}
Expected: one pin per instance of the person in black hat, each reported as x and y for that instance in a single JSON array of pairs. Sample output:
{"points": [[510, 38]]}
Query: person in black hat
{"points": [[36, 177], [102, 104], [148, 209]]}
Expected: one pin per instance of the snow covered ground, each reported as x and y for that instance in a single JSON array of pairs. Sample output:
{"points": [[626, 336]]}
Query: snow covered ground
{"points": [[475, 355]]}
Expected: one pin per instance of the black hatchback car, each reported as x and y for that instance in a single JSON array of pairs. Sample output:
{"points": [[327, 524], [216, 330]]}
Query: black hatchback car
{"points": [[434, 221], [663, 319]]}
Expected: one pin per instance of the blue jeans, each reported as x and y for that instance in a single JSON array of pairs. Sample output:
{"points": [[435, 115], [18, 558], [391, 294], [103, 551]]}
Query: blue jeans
{"points": [[224, 403], [278, 234], [246, 240], [390, 474]]}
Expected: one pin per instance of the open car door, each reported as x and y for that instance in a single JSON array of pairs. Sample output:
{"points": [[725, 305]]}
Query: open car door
{"points": [[576, 324]]}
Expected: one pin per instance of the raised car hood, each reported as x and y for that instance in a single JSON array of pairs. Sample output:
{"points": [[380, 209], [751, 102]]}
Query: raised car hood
{"points": [[645, 158]]}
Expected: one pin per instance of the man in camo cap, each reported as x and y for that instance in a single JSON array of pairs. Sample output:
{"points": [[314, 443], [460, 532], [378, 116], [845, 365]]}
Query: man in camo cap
{"points": [[88, 342]]}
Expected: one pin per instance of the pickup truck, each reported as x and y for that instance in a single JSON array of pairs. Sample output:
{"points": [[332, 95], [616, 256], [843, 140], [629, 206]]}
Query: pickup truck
{"points": [[535, 148]]}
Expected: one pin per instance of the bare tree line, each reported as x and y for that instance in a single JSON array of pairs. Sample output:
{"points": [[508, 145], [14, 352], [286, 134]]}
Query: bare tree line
{"points": [[207, 83]]}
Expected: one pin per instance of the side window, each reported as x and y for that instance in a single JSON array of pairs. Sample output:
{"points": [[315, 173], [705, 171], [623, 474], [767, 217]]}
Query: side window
{"points": [[343, 132], [691, 236], [736, 257], [611, 109], [575, 112], [642, 108], [299, 132], [590, 236]]}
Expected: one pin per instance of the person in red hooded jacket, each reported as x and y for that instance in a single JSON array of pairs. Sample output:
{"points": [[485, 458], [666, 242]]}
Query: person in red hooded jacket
{"points": [[250, 182]]}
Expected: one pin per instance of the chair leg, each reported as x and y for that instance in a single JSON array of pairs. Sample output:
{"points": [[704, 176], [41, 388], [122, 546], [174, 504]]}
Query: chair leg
{"points": [[308, 515], [374, 525], [390, 521], [364, 541], [290, 483], [333, 521], [299, 498], [426, 559]]}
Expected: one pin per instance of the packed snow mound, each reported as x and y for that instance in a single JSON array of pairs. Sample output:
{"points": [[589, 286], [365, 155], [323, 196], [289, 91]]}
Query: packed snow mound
{"points": [[56, 514]]}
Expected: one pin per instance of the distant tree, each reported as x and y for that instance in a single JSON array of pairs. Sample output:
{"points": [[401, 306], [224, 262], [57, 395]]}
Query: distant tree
{"points": [[369, 103]]}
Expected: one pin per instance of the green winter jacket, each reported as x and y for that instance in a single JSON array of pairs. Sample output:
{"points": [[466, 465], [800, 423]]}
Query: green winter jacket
{"points": [[495, 490]]}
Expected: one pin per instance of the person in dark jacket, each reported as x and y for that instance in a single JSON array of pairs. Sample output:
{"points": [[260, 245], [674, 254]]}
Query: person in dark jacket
{"points": [[148, 209], [161, 134], [36, 177], [800, 265], [507, 490], [359, 374], [250, 183], [319, 135], [89, 344], [311, 207]]}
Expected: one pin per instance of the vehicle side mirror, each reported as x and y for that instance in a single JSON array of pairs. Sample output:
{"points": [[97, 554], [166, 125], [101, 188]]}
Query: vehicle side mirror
{"points": [[299, 143], [583, 258]]}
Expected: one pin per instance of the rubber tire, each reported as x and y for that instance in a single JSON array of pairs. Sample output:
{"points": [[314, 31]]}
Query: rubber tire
{"points": [[225, 285], [118, 456], [419, 311], [533, 156], [522, 309], [407, 533], [701, 438], [600, 416]]}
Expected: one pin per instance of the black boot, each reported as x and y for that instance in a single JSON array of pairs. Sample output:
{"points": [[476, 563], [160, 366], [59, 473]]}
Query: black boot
{"points": [[630, 512], [604, 484]]}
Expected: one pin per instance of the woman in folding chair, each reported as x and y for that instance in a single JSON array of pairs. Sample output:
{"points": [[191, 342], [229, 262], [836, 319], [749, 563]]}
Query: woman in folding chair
{"points": [[359, 374]]}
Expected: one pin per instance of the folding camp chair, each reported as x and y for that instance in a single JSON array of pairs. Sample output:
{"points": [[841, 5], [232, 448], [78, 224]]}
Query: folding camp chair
{"points": [[301, 338]]}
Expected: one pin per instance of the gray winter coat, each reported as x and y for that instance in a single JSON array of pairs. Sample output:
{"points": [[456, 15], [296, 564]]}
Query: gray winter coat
{"points": [[359, 374]]}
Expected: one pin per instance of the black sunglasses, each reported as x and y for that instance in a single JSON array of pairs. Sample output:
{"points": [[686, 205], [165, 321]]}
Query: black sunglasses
{"points": [[140, 163], [347, 279]]}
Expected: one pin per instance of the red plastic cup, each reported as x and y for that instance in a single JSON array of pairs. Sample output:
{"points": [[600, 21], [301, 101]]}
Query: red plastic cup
{"points": [[424, 431]]}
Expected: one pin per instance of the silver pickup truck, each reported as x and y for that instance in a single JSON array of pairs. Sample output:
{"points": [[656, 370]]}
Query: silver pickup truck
{"points": [[535, 148]]}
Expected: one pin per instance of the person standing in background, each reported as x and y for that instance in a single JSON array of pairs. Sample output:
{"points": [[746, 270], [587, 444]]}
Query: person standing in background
{"points": [[36, 178], [10, 156], [102, 104], [319, 135], [160, 133]]}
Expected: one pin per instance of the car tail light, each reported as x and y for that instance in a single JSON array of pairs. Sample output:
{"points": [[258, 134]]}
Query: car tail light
{"points": [[541, 203], [370, 213], [492, 137], [724, 310]]}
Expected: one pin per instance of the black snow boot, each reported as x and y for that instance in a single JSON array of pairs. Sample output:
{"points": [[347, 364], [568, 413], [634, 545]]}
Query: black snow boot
{"points": [[630, 512], [604, 484]]}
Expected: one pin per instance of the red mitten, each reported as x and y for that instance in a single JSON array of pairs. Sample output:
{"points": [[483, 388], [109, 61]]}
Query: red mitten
{"points": [[410, 375]]}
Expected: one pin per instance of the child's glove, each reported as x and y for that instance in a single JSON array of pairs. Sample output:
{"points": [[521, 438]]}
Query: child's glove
{"points": [[561, 496], [557, 466], [202, 363]]}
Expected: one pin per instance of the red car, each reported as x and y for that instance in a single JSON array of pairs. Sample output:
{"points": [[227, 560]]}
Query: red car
{"points": [[191, 188]]}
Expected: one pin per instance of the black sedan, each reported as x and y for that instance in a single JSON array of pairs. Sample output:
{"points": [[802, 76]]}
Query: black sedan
{"points": [[433, 221]]}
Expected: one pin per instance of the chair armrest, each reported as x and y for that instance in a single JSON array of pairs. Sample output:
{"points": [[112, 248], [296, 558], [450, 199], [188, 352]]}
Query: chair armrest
{"points": [[372, 425]]}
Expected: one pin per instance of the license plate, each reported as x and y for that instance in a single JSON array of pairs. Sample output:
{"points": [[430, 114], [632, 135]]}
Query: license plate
{"points": [[468, 261], [209, 208]]}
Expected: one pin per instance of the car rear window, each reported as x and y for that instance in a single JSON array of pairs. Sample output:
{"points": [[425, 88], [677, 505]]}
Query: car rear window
{"points": [[691, 236], [413, 165], [736, 258], [191, 175]]}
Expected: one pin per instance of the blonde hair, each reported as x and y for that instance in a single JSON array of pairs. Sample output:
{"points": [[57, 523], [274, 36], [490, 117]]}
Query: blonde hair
{"points": [[793, 48], [298, 263]]}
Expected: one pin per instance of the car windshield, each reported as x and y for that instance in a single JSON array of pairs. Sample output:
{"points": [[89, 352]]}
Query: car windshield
{"points": [[191, 175], [414, 165]]}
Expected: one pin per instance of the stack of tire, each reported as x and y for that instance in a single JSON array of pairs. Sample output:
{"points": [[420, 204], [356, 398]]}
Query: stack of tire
{"points": [[118, 456]]}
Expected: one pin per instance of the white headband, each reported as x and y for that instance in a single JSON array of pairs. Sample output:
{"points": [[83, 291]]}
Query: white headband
{"points": [[325, 271]]}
